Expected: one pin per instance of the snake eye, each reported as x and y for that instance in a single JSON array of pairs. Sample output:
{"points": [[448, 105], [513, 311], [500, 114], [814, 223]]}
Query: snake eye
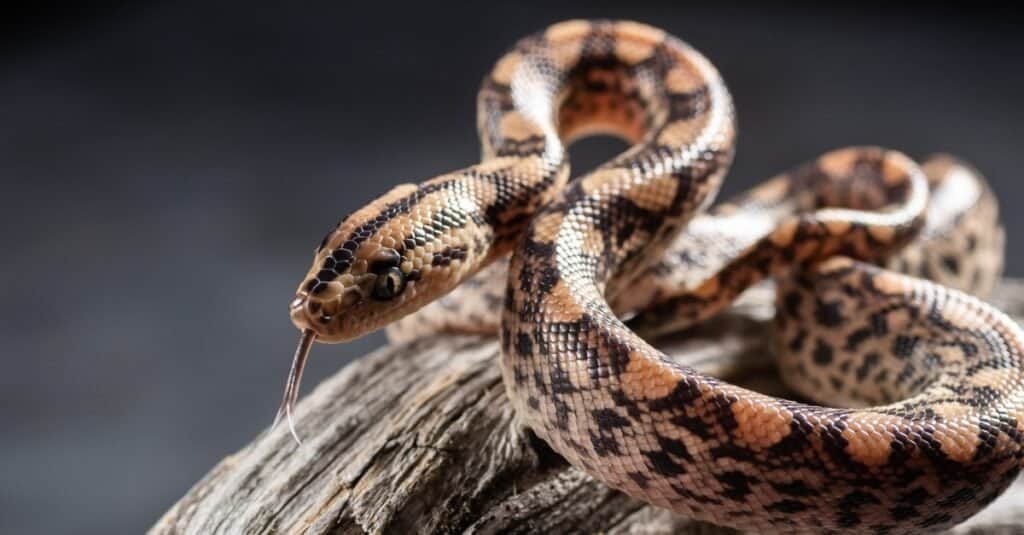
{"points": [[389, 284]]}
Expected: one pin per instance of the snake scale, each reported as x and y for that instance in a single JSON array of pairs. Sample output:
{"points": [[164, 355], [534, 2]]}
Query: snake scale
{"points": [[929, 379]]}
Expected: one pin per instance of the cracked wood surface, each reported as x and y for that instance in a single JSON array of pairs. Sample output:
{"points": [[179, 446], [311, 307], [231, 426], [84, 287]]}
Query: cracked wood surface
{"points": [[420, 438]]}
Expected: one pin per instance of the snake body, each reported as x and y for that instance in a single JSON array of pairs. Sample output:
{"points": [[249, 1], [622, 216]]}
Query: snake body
{"points": [[931, 377]]}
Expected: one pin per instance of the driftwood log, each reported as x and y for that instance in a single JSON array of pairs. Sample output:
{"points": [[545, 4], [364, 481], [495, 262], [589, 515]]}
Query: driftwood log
{"points": [[420, 438]]}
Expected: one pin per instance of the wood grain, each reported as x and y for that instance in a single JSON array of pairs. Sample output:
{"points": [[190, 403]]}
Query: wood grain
{"points": [[420, 437]]}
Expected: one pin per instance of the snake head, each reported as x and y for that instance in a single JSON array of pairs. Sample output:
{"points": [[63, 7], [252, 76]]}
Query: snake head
{"points": [[380, 263]]}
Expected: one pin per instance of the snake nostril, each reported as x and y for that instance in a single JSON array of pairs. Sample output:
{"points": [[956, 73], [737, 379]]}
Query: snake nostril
{"points": [[308, 313], [301, 310]]}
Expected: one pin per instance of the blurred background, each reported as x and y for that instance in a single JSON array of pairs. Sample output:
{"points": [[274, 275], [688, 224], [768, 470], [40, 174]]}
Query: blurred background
{"points": [[167, 169]]}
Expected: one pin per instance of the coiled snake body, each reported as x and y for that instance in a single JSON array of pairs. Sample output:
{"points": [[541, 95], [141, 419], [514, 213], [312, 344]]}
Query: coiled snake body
{"points": [[931, 377]]}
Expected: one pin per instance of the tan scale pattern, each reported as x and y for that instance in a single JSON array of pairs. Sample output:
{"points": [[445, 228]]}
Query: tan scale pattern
{"points": [[931, 378]]}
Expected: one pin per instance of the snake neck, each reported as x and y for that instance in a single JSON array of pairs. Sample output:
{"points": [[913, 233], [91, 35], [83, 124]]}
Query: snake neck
{"points": [[609, 225]]}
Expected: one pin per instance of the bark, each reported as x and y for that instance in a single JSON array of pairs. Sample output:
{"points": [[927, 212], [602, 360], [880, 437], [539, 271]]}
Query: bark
{"points": [[420, 437]]}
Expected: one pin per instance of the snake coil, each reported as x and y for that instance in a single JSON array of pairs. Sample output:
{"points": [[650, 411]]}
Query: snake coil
{"points": [[930, 378]]}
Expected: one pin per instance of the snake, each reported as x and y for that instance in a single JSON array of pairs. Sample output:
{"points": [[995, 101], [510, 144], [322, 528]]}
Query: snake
{"points": [[912, 389]]}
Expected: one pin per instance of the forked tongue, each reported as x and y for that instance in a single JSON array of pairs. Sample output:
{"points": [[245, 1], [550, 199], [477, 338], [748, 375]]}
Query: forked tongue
{"points": [[291, 388]]}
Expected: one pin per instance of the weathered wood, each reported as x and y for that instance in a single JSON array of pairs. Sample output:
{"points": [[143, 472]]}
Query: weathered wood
{"points": [[420, 438]]}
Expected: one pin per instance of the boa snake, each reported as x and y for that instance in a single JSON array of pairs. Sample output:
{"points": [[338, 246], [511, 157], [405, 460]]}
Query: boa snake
{"points": [[931, 379]]}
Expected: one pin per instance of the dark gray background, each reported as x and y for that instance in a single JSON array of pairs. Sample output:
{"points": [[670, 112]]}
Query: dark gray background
{"points": [[168, 168]]}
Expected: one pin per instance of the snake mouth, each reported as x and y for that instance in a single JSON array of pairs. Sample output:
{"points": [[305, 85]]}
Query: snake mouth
{"points": [[310, 315], [323, 318]]}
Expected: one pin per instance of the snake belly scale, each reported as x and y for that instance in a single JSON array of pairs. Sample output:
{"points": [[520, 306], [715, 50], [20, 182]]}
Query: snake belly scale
{"points": [[931, 378]]}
